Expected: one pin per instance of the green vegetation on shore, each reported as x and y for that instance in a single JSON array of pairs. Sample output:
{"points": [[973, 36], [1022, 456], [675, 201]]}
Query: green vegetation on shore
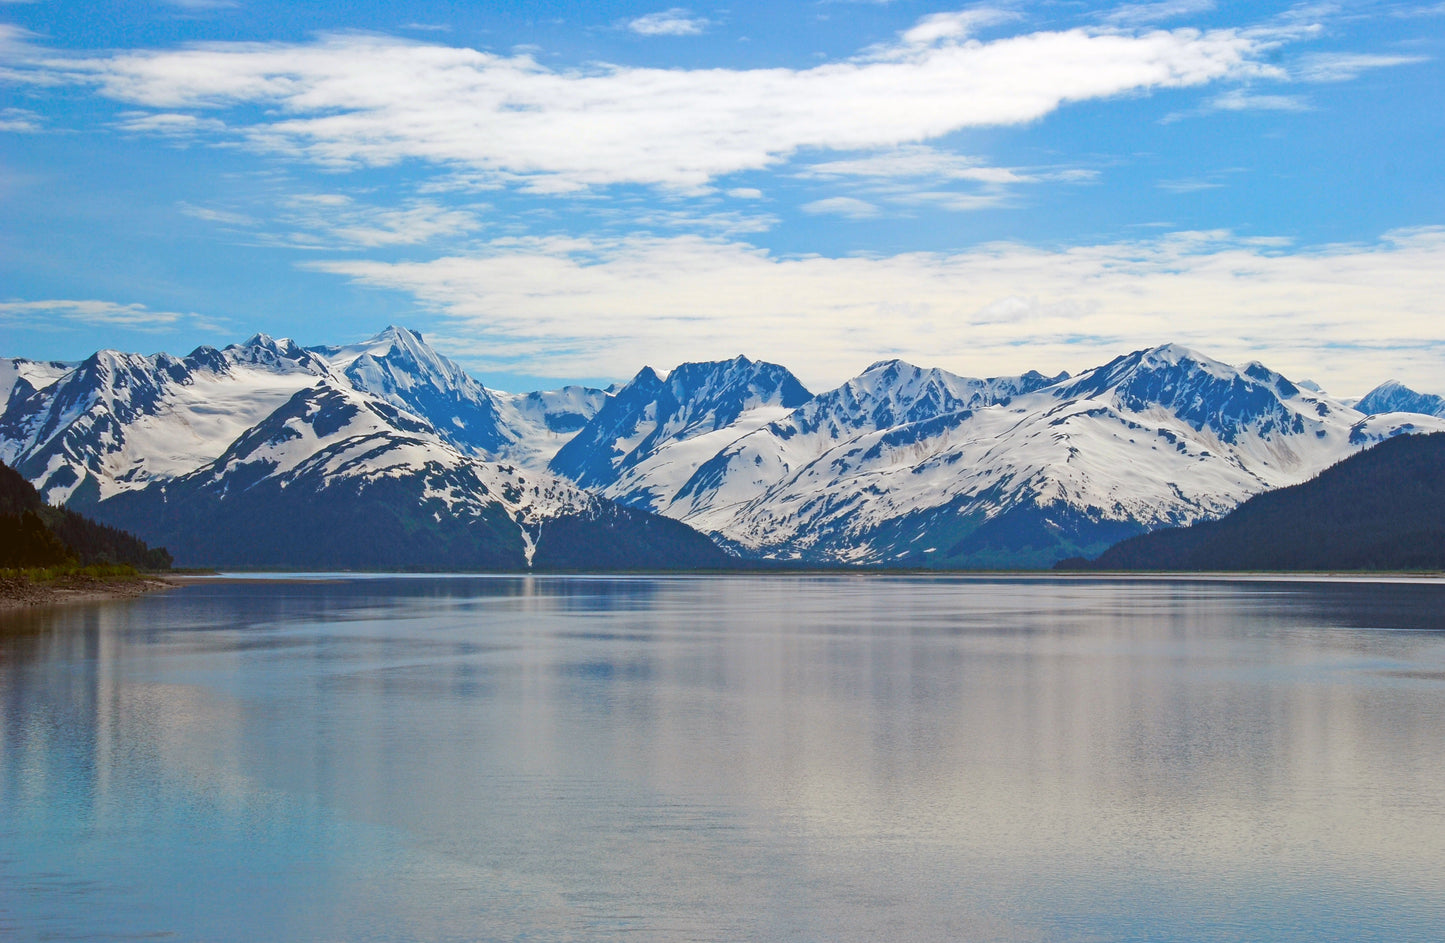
{"points": [[73, 572], [36, 536]]}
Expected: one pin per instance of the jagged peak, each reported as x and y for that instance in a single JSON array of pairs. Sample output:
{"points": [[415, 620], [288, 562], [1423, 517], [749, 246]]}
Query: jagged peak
{"points": [[646, 375], [396, 335], [1174, 352], [890, 363], [1390, 386], [714, 367], [1394, 396]]}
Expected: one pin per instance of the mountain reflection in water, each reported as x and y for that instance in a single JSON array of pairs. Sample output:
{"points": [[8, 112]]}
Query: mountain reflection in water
{"points": [[805, 757]]}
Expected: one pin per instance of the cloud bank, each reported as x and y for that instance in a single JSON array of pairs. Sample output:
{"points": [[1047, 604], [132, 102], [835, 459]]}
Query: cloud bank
{"points": [[349, 100], [582, 307]]}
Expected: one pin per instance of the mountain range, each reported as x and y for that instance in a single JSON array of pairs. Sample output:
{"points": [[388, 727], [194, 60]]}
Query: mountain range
{"points": [[386, 454]]}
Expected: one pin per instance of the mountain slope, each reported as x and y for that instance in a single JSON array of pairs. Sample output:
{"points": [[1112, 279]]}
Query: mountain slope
{"points": [[34, 374], [900, 466], [1383, 508], [651, 436], [398, 366], [540, 423], [904, 466], [336, 478], [117, 421]]}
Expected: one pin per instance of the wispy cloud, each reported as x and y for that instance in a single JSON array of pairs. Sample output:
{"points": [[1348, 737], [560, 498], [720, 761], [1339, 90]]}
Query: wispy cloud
{"points": [[338, 221], [169, 124], [954, 201], [714, 223], [949, 27], [1189, 185], [1241, 100], [911, 161], [598, 308], [1136, 14], [21, 121], [364, 100], [1345, 66], [213, 215], [674, 22], [848, 206], [913, 175], [93, 313]]}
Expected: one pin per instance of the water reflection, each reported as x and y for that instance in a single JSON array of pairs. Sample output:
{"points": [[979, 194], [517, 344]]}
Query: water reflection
{"points": [[724, 758]]}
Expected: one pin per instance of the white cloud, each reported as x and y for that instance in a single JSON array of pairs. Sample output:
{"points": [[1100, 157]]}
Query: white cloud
{"points": [[887, 171], [848, 206], [20, 121], [953, 27], [94, 313], [712, 223], [1134, 14], [1241, 100], [674, 22], [169, 124], [332, 219], [745, 193], [1189, 185], [351, 100], [954, 201], [917, 161], [1347, 315], [1344, 66], [213, 215]]}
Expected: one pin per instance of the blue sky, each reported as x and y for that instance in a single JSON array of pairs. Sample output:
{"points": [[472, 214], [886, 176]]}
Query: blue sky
{"points": [[565, 191]]}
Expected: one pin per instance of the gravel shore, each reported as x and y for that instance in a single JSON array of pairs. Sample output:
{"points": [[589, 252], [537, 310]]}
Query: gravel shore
{"points": [[18, 592]]}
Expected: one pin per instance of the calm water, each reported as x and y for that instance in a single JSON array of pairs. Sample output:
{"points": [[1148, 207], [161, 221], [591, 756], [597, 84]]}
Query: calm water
{"points": [[782, 758]]}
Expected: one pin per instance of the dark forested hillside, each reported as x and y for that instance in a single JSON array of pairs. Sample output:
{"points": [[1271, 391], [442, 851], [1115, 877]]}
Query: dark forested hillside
{"points": [[1381, 509], [33, 534]]}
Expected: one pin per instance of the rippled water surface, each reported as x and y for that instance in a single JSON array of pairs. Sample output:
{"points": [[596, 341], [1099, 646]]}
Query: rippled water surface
{"points": [[727, 758]]}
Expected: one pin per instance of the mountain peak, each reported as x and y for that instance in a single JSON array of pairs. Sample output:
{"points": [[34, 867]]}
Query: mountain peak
{"points": [[1392, 396], [277, 345], [396, 334], [1173, 352], [892, 363]]}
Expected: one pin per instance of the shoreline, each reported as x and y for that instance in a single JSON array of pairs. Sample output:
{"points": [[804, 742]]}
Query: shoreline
{"points": [[18, 593]]}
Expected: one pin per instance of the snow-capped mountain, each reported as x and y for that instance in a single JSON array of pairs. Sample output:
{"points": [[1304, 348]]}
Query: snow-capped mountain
{"points": [[650, 437], [903, 465], [900, 465], [35, 374], [1393, 396], [338, 477], [399, 367], [117, 421], [538, 424], [527, 429]]}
